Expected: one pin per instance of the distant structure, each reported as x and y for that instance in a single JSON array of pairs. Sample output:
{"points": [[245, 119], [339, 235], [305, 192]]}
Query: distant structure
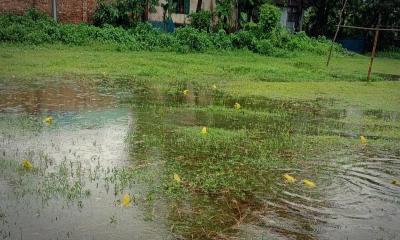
{"points": [[76, 11], [72, 11], [182, 10], [292, 13]]}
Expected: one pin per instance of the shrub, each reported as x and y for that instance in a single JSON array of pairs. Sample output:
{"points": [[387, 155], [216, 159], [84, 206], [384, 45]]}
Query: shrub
{"points": [[147, 35], [244, 39], [168, 41], [250, 26], [76, 34], [221, 40], [36, 28], [104, 14], [269, 17], [301, 42], [192, 40], [113, 35], [125, 13], [390, 52], [280, 37], [201, 20], [12, 33], [266, 47]]}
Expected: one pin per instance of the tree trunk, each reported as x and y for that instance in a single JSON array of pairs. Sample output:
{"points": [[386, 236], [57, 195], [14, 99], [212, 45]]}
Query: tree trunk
{"points": [[199, 3], [145, 15]]}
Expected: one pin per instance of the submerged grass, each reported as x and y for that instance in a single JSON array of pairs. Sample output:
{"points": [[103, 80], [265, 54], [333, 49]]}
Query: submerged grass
{"points": [[227, 173]]}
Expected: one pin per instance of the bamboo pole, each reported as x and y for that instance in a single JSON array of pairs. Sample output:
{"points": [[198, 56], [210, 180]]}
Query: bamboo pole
{"points": [[371, 29], [374, 48], [336, 33], [373, 55]]}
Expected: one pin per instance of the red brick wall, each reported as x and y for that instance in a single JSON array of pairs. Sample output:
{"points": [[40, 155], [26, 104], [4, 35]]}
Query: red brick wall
{"points": [[73, 11]]}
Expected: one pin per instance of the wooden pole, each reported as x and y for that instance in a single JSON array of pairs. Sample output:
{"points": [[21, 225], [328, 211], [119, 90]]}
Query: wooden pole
{"points": [[374, 49], [336, 33], [373, 55], [372, 28]]}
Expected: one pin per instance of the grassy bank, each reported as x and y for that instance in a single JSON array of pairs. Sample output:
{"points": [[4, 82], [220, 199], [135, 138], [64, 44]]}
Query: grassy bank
{"points": [[212, 66], [238, 73]]}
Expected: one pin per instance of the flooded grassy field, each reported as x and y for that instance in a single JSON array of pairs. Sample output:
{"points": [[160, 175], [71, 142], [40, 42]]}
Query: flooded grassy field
{"points": [[189, 161]]}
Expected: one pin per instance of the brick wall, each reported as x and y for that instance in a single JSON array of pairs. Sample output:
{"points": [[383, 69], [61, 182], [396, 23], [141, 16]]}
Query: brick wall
{"points": [[73, 11]]}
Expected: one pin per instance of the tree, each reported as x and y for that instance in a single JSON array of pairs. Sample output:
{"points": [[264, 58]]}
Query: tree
{"points": [[123, 12], [199, 4], [322, 17]]}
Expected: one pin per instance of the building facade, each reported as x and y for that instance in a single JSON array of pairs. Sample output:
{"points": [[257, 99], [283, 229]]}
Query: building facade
{"points": [[72, 11], [292, 13], [183, 8], [76, 11]]}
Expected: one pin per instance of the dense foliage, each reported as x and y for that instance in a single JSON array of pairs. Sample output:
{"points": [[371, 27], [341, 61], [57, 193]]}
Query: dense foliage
{"points": [[323, 15], [124, 13], [201, 20], [36, 28], [269, 17]]}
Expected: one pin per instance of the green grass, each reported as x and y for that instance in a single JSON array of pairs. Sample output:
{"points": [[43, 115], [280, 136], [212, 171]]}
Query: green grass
{"points": [[213, 66], [238, 73], [382, 95]]}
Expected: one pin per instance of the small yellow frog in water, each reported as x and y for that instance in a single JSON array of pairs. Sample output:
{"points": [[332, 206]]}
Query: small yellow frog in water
{"points": [[288, 178], [48, 120], [363, 140], [126, 200], [309, 183], [237, 106], [27, 165], [177, 178]]}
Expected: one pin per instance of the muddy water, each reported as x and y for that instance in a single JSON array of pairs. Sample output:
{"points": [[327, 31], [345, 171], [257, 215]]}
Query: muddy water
{"points": [[355, 199], [70, 194], [66, 196], [357, 194]]}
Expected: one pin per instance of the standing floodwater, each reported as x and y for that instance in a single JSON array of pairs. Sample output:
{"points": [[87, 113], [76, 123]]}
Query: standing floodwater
{"points": [[68, 193], [195, 164]]}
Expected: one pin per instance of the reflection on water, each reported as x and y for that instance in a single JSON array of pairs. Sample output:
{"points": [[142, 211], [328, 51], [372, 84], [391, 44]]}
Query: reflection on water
{"points": [[55, 98], [67, 197]]}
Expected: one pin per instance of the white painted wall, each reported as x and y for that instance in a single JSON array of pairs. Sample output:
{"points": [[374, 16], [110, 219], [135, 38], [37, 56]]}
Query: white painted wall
{"points": [[284, 17]]}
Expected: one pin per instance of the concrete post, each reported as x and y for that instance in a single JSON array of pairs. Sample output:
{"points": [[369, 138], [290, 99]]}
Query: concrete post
{"points": [[54, 9]]}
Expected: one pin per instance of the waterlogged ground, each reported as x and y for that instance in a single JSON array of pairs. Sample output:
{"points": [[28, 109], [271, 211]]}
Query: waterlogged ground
{"points": [[196, 163], [71, 191]]}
